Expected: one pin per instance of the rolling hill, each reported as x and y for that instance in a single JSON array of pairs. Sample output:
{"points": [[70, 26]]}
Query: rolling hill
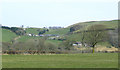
{"points": [[108, 24], [7, 35]]}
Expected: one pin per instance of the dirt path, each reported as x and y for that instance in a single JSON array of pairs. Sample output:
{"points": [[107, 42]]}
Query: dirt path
{"points": [[16, 38]]}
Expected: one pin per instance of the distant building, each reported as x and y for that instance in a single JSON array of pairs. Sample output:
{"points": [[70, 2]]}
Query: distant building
{"points": [[55, 27], [51, 35], [24, 29], [29, 34], [36, 35], [77, 44], [41, 35], [52, 38]]}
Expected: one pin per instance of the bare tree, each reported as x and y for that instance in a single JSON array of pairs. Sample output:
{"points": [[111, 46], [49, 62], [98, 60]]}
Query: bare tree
{"points": [[68, 43], [113, 37], [94, 35], [41, 45], [50, 47]]}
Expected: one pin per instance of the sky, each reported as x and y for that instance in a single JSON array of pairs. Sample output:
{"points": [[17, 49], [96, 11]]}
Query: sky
{"points": [[45, 13]]}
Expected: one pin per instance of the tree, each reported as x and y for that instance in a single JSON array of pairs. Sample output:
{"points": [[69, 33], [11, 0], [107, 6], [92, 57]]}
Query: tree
{"points": [[30, 45], [76, 27], [47, 30], [50, 47], [68, 42], [41, 32], [94, 35], [113, 37], [41, 45], [18, 31], [72, 29], [5, 47], [22, 26]]}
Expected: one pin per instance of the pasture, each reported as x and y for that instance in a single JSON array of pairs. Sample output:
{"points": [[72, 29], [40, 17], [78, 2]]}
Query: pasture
{"points": [[85, 60], [7, 35]]}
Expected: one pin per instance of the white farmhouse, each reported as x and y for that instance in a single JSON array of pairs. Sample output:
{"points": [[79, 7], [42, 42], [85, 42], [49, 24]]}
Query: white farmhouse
{"points": [[29, 34]]}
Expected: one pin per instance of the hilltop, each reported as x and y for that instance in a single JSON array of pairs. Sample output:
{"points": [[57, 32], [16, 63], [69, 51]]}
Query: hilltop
{"points": [[84, 25]]}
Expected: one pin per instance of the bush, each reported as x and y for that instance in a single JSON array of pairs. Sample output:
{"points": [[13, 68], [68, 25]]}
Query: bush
{"points": [[50, 47]]}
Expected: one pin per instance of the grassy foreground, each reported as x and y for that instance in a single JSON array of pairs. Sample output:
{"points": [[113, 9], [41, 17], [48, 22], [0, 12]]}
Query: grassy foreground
{"points": [[86, 60]]}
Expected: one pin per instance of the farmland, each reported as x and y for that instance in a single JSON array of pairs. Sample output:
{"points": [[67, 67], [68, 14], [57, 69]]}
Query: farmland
{"points": [[55, 47], [86, 60], [62, 31], [7, 35]]}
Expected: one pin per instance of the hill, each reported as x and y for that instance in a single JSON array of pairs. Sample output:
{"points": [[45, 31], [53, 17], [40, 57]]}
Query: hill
{"points": [[7, 35], [54, 42], [84, 25]]}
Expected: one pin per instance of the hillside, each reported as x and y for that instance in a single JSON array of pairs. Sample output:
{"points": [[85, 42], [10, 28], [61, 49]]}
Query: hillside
{"points": [[7, 35], [85, 25], [61, 31], [25, 38], [32, 30], [109, 24], [55, 40]]}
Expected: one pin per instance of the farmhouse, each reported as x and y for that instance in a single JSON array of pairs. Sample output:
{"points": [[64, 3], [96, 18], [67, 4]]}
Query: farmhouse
{"points": [[29, 34], [77, 44], [41, 35], [52, 38], [51, 35]]}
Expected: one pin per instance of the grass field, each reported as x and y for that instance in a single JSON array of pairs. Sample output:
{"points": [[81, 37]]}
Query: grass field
{"points": [[86, 60], [61, 31], [25, 38], [7, 35], [32, 30], [55, 42]]}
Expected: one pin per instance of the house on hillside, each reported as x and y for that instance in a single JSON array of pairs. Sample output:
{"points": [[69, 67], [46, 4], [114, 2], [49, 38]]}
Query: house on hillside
{"points": [[55, 27], [36, 35], [41, 35], [29, 34], [52, 38], [58, 36], [79, 44], [51, 35]]}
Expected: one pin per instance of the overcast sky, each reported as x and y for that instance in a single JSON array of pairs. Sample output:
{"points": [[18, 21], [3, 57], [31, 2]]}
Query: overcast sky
{"points": [[45, 13]]}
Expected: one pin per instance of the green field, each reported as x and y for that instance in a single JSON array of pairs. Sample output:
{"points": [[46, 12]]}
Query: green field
{"points": [[55, 42], [25, 38], [86, 60], [61, 31], [32, 30], [7, 35]]}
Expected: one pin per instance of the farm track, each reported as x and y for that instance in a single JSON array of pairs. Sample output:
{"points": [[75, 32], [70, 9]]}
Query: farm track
{"points": [[17, 38]]}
